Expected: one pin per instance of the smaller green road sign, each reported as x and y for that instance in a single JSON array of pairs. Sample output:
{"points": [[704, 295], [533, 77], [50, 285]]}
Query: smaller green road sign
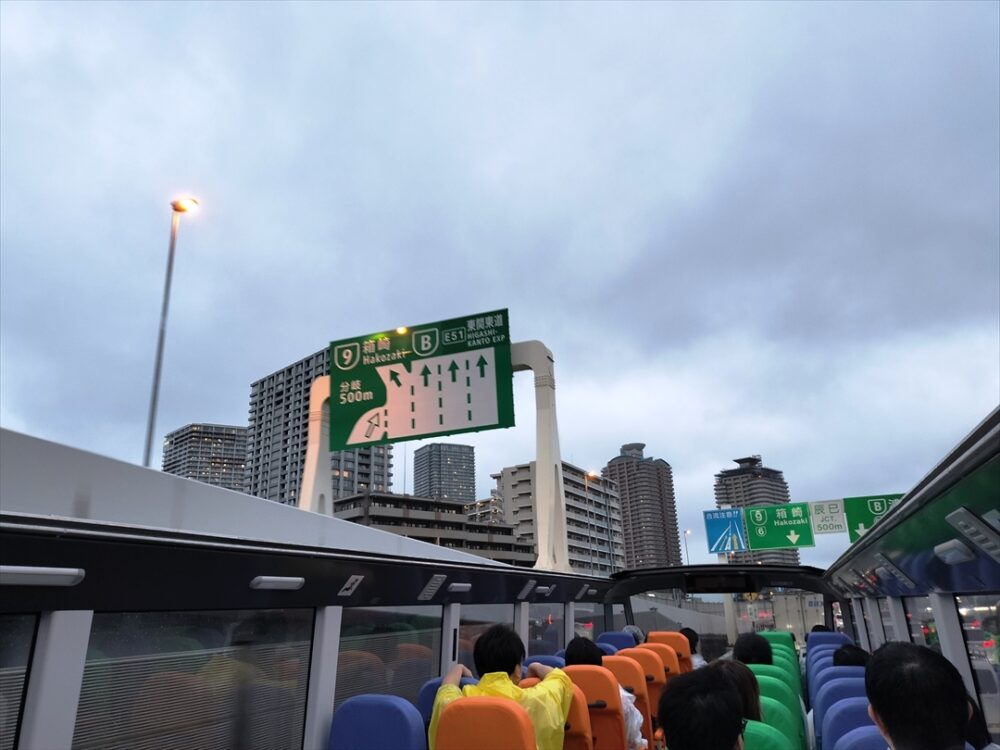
{"points": [[864, 512], [779, 526]]}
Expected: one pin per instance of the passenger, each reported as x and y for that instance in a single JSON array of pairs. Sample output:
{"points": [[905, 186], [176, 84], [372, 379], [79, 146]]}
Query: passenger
{"points": [[819, 629], [977, 733], [700, 710], [850, 656], [752, 648], [917, 698], [498, 654], [584, 651], [636, 632], [697, 661], [744, 682]]}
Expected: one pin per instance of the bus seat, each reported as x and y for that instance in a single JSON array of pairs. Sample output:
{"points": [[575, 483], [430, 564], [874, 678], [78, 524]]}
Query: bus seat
{"points": [[832, 673], [761, 736], [546, 659], [778, 716], [632, 677], [607, 648], [617, 638], [377, 722], [779, 673], [823, 662], [413, 651], [772, 687], [780, 637], [579, 733], [607, 720], [861, 738], [652, 668], [819, 638], [485, 723], [527, 682], [843, 716], [671, 664], [561, 652], [828, 695], [678, 642], [428, 692]]}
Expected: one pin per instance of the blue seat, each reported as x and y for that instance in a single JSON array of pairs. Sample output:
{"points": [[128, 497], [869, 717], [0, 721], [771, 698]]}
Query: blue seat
{"points": [[830, 694], [546, 659], [813, 670], [843, 716], [816, 639], [832, 673], [561, 652], [608, 649], [617, 638], [377, 722], [428, 691], [861, 738]]}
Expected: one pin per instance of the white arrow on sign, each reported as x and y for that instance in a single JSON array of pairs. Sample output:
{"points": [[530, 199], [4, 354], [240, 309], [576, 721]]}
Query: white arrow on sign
{"points": [[793, 537], [861, 530]]}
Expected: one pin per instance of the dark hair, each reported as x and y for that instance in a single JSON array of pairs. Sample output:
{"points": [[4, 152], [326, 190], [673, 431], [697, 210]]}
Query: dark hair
{"points": [[744, 681], [582, 650], [977, 733], [499, 649], [850, 656], [751, 648], [919, 697], [820, 629], [700, 710], [692, 638]]}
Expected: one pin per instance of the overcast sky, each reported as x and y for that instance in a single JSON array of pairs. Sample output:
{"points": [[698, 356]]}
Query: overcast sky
{"points": [[740, 228]]}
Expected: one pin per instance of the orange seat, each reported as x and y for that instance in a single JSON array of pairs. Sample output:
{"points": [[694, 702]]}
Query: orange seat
{"points": [[604, 703], [413, 651], [485, 723], [678, 642], [528, 682], [656, 679], [579, 733], [632, 677], [671, 665]]}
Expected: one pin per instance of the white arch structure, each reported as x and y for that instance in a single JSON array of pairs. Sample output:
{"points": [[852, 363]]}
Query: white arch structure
{"points": [[316, 489]]}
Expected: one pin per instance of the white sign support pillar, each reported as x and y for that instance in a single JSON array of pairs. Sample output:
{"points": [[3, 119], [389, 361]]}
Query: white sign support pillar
{"points": [[316, 488]]}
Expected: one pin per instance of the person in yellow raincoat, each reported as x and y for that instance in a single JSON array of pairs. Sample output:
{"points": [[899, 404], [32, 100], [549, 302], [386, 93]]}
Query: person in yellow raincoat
{"points": [[498, 654]]}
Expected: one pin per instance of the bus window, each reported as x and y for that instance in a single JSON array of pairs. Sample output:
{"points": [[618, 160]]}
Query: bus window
{"points": [[475, 620], [887, 627], [546, 628], [920, 616], [16, 635], [979, 626]]}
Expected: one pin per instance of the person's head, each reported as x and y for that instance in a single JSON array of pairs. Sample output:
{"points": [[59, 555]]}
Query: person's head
{"points": [[744, 681], [977, 733], [850, 656], [692, 638], [751, 648], [582, 650], [636, 632], [499, 649], [916, 698], [700, 710], [820, 629]]}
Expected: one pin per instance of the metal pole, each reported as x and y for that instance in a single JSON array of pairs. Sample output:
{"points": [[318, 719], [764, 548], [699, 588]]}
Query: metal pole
{"points": [[687, 555], [175, 221]]}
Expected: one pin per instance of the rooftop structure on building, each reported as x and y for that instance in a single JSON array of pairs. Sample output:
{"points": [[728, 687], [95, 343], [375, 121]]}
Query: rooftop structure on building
{"points": [[438, 521], [593, 515], [488, 510], [648, 506], [211, 453], [445, 470], [277, 434], [750, 485]]}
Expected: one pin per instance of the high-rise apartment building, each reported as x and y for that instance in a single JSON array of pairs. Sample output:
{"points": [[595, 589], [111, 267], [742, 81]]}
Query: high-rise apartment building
{"points": [[276, 439], [445, 471], [593, 515], [750, 485], [649, 509], [211, 453]]}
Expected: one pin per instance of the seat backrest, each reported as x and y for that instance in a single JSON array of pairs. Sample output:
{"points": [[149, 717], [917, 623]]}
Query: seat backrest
{"points": [[377, 722], [617, 638], [832, 673], [547, 659], [775, 636], [527, 682], [778, 716], [607, 648], [772, 687], [607, 720], [632, 677], [485, 723], [862, 738], [671, 665], [826, 650], [428, 692], [832, 692], [769, 670], [823, 662], [579, 733], [652, 667], [760, 736], [678, 642], [843, 716], [816, 639]]}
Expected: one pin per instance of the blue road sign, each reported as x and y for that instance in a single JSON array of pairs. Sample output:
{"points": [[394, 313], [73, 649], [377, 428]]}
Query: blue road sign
{"points": [[724, 531]]}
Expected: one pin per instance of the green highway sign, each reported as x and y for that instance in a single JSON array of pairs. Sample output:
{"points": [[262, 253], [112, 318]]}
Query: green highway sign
{"points": [[428, 380], [864, 512], [779, 526]]}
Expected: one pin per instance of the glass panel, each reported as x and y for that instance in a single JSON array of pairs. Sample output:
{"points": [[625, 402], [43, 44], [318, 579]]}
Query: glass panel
{"points": [[838, 617], [389, 650], [589, 620], [887, 626], [920, 617], [618, 616], [672, 610], [195, 679], [981, 630], [476, 619], [16, 635], [547, 632], [876, 636]]}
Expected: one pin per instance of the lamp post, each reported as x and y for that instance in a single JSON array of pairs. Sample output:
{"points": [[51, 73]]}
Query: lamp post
{"points": [[687, 555], [180, 206]]}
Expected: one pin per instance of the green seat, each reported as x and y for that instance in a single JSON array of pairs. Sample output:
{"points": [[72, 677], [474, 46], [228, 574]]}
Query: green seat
{"points": [[777, 637], [773, 687], [779, 717], [760, 736], [769, 670]]}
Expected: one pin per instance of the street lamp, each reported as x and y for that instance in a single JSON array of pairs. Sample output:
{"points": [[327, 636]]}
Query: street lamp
{"points": [[687, 555], [179, 206], [587, 476]]}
